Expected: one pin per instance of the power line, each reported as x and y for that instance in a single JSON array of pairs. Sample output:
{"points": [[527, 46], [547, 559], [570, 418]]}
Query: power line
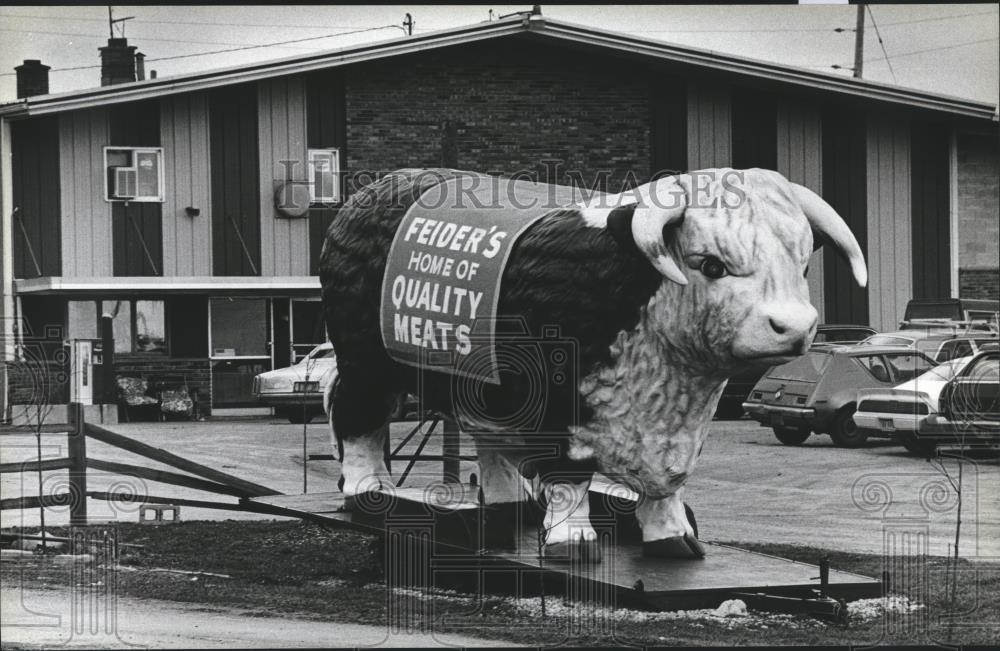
{"points": [[928, 20], [140, 38], [233, 49], [185, 22], [935, 49], [878, 35]]}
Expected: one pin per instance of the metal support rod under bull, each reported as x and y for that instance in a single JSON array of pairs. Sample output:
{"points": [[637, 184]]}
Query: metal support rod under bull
{"points": [[451, 450]]}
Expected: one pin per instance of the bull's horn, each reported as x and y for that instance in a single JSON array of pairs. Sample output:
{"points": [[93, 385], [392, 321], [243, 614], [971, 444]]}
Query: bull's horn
{"points": [[648, 223], [828, 227]]}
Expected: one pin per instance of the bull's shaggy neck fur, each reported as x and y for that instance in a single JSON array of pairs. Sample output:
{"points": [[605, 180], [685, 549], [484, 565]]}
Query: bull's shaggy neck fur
{"points": [[651, 434]]}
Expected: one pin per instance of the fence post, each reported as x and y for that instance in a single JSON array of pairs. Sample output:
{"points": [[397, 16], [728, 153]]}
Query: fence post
{"points": [[78, 465], [451, 449], [109, 390]]}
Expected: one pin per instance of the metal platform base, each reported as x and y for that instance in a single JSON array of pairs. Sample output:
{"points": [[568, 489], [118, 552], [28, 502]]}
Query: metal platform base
{"points": [[441, 536]]}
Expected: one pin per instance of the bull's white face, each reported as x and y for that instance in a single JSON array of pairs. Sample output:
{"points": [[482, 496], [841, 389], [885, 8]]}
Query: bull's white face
{"points": [[742, 250], [746, 300]]}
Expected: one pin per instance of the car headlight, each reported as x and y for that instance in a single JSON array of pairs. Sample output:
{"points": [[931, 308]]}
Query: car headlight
{"points": [[278, 384]]}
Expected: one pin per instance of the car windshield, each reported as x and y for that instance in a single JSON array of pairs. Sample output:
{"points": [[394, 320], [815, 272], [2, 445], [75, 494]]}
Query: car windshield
{"points": [[887, 340], [320, 353], [907, 367], [804, 369]]}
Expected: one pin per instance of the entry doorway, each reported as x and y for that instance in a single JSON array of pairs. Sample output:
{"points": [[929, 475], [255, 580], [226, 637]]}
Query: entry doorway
{"points": [[307, 326], [239, 331]]}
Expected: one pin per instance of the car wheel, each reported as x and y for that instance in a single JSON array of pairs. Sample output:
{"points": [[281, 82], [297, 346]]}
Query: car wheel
{"points": [[789, 436], [845, 432], [917, 446]]}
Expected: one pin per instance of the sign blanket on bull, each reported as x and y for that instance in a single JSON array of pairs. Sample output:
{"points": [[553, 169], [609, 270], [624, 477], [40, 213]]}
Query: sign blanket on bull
{"points": [[442, 280]]}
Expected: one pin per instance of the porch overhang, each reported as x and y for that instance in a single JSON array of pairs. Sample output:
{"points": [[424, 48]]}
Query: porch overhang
{"points": [[138, 286]]}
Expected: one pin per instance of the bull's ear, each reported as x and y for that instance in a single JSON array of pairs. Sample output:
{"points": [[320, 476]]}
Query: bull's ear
{"points": [[829, 228], [662, 205]]}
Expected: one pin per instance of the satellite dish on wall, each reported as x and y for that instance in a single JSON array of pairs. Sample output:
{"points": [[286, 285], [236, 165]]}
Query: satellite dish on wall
{"points": [[291, 199]]}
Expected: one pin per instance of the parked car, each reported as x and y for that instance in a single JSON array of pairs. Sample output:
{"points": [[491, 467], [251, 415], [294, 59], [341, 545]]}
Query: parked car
{"points": [[968, 409], [818, 392], [897, 413], [940, 346], [311, 376], [922, 313], [739, 386]]}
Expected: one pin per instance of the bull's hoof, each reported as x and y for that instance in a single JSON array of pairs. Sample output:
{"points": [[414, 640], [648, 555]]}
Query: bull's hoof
{"points": [[686, 546], [575, 552]]}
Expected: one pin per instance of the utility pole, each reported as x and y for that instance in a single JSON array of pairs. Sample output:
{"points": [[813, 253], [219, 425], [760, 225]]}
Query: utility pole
{"points": [[859, 42], [111, 23], [408, 24]]}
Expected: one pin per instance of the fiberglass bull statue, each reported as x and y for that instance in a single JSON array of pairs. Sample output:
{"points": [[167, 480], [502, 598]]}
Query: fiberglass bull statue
{"points": [[666, 290]]}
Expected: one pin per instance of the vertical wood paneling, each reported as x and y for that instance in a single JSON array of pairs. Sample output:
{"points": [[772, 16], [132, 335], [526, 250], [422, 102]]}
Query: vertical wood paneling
{"points": [[668, 127], [709, 127], [235, 181], [35, 189], [282, 127], [754, 137], [326, 127], [930, 204], [86, 216], [799, 158], [187, 241], [845, 188], [890, 248], [136, 226]]}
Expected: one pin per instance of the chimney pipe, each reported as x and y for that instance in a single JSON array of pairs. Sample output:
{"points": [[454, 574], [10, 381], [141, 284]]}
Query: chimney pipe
{"points": [[32, 78], [140, 66], [152, 74], [117, 62]]}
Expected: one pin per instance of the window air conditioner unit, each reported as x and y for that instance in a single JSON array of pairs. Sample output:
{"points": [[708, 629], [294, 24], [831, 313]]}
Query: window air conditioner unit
{"points": [[126, 180]]}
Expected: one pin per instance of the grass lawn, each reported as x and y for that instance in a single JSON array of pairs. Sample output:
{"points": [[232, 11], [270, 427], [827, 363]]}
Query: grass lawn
{"points": [[309, 571]]}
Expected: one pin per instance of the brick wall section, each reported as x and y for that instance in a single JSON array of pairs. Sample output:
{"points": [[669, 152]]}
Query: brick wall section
{"points": [[978, 201], [197, 373], [979, 283], [500, 107], [31, 383]]}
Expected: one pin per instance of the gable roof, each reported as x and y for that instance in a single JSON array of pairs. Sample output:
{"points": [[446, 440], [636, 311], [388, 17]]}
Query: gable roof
{"points": [[537, 25]]}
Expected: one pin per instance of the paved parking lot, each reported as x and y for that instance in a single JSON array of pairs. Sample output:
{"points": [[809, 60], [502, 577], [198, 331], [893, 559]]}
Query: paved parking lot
{"points": [[747, 488]]}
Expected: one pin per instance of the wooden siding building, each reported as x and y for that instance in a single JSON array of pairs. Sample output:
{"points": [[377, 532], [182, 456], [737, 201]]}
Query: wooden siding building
{"points": [[212, 278]]}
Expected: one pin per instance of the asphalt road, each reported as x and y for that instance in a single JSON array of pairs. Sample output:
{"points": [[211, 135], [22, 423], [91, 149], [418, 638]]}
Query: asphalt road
{"points": [[46, 619], [747, 487]]}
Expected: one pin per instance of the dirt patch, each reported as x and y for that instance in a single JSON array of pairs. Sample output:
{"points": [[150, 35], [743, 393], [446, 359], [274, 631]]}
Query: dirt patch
{"points": [[305, 571]]}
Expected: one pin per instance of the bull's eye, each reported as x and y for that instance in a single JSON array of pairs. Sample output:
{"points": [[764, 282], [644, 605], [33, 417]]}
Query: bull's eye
{"points": [[713, 267]]}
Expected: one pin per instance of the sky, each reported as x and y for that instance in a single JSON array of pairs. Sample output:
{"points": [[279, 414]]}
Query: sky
{"points": [[951, 49]]}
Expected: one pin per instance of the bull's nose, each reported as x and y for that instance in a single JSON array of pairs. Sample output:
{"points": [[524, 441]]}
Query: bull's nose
{"points": [[792, 321]]}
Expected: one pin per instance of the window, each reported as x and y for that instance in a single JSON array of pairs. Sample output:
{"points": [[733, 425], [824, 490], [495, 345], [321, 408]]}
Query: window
{"points": [[238, 327], [907, 367], [954, 349], [324, 175], [875, 365], [133, 173], [137, 326]]}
